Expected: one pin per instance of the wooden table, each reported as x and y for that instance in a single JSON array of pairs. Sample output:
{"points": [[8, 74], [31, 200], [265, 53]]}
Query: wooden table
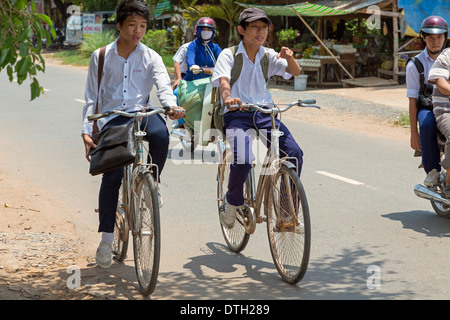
{"points": [[327, 65], [313, 74]]}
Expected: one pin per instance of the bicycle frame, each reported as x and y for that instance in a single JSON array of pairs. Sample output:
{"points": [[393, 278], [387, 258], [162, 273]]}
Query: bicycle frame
{"points": [[140, 163], [140, 166], [272, 161]]}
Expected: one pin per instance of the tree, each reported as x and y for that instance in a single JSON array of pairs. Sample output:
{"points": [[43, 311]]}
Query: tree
{"points": [[227, 10], [22, 32]]}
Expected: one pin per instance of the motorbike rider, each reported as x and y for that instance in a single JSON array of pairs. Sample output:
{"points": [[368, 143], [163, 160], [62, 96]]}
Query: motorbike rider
{"points": [[202, 52], [180, 68], [440, 75], [179, 64], [433, 32]]}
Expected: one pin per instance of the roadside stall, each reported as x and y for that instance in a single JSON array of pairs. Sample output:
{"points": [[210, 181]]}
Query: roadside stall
{"points": [[331, 62]]}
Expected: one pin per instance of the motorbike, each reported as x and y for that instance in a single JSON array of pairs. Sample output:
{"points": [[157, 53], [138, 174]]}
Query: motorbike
{"points": [[435, 193], [192, 133], [58, 42]]}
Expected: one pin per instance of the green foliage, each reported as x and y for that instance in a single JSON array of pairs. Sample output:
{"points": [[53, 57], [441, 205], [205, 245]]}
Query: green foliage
{"points": [[18, 54], [402, 120], [99, 5], [72, 57], [157, 40], [94, 41], [287, 36], [227, 10]]}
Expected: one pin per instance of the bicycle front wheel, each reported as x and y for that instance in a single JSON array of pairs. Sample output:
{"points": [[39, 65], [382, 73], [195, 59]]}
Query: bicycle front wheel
{"points": [[288, 224], [146, 233], [235, 237], [120, 243]]}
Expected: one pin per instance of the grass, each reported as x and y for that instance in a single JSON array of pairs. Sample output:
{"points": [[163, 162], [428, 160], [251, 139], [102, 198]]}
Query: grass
{"points": [[402, 120], [74, 57]]}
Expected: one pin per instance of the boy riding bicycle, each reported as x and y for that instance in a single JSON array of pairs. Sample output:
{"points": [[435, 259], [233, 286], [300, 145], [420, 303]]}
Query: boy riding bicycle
{"points": [[250, 87], [130, 71]]}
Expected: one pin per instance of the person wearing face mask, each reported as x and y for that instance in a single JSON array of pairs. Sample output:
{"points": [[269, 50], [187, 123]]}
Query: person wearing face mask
{"points": [[202, 52]]}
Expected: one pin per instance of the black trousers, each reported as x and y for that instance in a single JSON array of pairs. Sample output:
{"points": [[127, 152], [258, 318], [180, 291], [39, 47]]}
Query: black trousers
{"points": [[158, 140]]}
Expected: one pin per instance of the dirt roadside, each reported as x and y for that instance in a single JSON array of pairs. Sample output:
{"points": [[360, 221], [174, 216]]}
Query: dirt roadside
{"points": [[38, 246]]}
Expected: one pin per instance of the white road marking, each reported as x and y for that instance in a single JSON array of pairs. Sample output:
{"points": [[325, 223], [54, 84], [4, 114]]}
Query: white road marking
{"points": [[335, 176], [79, 100]]}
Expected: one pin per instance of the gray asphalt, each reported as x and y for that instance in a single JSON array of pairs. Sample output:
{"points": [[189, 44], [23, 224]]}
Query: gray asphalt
{"points": [[336, 102], [360, 190]]}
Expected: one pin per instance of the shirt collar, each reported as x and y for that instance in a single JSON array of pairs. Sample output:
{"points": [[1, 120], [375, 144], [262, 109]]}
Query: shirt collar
{"points": [[139, 47], [259, 55], [427, 56]]}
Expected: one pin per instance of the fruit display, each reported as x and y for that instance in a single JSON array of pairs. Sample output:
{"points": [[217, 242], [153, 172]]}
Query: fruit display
{"points": [[307, 53]]}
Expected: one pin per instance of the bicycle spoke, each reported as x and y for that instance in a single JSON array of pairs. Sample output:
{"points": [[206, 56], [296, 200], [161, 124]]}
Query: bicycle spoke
{"points": [[146, 235], [288, 225], [235, 237]]}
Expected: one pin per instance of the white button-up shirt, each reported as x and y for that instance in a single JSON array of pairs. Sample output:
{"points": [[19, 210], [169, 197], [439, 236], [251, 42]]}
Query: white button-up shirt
{"points": [[180, 57], [251, 86], [125, 83], [413, 76]]}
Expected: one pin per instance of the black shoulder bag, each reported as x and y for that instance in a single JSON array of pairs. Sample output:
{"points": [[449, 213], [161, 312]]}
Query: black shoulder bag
{"points": [[425, 100]]}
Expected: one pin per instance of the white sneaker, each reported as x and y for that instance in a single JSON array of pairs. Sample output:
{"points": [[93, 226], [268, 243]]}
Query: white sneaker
{"points": [[227, 214], [104, 254], [432, 178]]}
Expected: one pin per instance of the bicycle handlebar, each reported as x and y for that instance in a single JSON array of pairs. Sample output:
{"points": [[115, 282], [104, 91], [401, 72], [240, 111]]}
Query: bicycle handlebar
{"points": [[199, 69], [165, 110], [301, 103]]}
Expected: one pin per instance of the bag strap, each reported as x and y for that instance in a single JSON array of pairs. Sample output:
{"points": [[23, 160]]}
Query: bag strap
{"points": [[420, 68], [101, 61], [237, 66], [238, 62]]}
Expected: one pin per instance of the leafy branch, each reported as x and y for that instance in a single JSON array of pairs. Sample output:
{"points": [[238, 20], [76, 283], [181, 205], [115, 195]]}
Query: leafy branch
{"points": [[22, 33]]}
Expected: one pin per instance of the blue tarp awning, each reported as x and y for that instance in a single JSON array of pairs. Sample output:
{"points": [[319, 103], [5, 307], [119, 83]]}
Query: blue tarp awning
{"points": [[416, 11]]}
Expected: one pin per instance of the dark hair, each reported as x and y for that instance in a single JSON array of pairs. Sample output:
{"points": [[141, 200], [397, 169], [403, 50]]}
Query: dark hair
{"points": [[127, 8], [244, 24]]}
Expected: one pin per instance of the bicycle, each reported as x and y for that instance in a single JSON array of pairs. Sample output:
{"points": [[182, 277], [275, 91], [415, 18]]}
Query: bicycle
{"points": [[138, 208], [281, 193]]}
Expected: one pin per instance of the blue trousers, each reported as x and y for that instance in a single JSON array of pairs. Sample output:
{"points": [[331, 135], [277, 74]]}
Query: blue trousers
{"points": [[428, 140], [238, 129], [158, 140]]}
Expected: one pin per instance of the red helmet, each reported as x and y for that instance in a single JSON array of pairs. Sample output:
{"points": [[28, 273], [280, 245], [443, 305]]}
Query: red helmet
{"points": [[434, 25], [205, 22]]}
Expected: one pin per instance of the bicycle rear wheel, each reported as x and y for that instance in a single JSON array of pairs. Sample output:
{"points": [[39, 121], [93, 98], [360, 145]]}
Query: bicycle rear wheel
{"points": [[235, 237], [120, 243], [146, 233], [288, 224]]}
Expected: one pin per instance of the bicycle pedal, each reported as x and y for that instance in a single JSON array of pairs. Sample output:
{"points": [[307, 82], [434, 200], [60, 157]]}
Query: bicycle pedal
{"points": [[248, 217]]}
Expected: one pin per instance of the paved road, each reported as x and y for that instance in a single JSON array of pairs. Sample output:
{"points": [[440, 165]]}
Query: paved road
{"points": [[364, 214]]}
